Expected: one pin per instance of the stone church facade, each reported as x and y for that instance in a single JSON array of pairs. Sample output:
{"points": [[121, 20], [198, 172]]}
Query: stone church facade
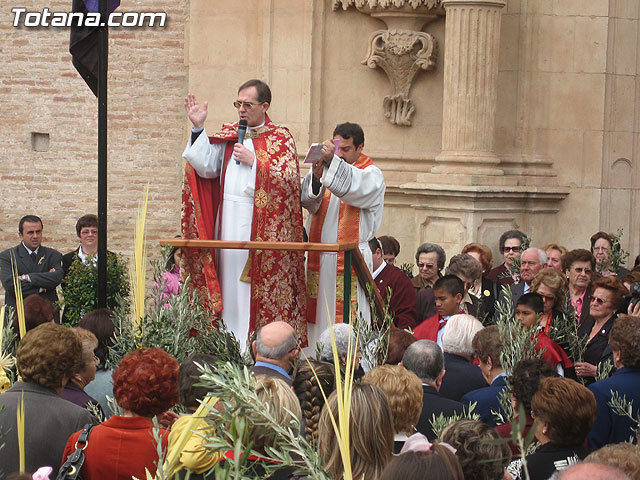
{"points": [[484, 115]]}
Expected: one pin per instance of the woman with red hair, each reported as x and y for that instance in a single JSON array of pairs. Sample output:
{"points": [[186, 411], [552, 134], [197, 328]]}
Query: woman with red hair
{"points": [[145, 384], [483, 288]]}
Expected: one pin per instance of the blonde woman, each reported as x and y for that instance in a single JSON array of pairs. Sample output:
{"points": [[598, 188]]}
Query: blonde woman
{"points": [[370, 434], [404, 392], [552, 286]]}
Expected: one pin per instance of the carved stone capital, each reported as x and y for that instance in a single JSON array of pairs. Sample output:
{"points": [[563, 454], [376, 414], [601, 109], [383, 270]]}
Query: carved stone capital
{"points": [[401, 54], [402, 50]]}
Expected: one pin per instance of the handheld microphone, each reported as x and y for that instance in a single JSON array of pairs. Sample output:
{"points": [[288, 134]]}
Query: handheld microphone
{"points": [[242, 130]]}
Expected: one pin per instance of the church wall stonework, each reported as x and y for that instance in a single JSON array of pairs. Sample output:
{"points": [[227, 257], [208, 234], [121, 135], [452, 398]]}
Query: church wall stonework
{"points": [[42, 95]]}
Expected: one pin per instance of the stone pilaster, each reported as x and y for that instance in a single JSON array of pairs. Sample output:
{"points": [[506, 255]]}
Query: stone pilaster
{"points": [[472, 37]]}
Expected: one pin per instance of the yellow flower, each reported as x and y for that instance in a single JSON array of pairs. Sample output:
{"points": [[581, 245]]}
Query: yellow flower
{"points": [[5, 384]]}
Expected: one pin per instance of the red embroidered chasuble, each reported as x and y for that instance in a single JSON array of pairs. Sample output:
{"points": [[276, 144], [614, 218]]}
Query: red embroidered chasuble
{"points": [[348, 231], [277, 277]]}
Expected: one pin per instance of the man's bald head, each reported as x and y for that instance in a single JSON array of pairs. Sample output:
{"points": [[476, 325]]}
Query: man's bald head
{"points": [[591, 471], [275, 341]]}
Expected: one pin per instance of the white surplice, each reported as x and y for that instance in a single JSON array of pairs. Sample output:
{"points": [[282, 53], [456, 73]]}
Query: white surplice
{"points": [[235, 224], [362, 188]]}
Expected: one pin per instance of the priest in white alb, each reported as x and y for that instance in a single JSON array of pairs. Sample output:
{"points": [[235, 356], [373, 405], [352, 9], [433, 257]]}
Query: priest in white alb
{"points": [[344, 194], [239, 191]]}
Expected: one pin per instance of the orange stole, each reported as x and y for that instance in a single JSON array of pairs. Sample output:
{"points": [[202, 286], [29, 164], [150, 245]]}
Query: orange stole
{"points": [[348, 231]]}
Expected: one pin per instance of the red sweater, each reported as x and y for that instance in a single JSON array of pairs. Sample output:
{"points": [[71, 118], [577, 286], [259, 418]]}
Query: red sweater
{"points": [[118, 449], [553, 353]]}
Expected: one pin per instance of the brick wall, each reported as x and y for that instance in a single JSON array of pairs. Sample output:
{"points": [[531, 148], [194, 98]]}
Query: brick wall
{"points": [[41, 92]]}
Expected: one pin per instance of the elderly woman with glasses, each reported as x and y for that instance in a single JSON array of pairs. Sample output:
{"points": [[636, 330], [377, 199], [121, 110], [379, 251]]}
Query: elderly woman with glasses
{"points": [[87, 231], [430, 259], [85, 374], [578, 265], [601, 247], [510, 246], [604, 303]]}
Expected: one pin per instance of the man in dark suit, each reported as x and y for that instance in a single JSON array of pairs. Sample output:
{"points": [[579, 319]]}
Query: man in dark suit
{"points": [[531, 262], [274, 348], [425, 359], [39, 268]]}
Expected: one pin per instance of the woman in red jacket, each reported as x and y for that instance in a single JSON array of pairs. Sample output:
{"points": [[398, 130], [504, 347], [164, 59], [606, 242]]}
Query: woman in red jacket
{"points": [[145, 384]]}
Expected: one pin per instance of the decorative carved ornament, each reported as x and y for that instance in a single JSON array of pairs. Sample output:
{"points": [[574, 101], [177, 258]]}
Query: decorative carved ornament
{"points": [[401, 54], [402, 50]]}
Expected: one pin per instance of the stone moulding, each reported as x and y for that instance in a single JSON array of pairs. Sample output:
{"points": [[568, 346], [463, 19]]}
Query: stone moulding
{"points": [[401, 54], [402, 50], [384, 3]]}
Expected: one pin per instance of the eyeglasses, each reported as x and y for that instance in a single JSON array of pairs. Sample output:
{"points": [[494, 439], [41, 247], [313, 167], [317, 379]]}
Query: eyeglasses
{"points": [[511, 249], [246, 105], [587, 271], [427, 266], [599, 301], [87, 231], [600, 249], [547, 298]]}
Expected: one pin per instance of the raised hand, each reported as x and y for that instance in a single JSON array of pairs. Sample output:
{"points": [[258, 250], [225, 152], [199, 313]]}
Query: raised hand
{"points": [[195, 112], [328, 150]]}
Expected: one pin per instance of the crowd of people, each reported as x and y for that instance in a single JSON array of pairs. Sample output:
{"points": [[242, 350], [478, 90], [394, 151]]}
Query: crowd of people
{"points": [[435, 409], [450, 402]]}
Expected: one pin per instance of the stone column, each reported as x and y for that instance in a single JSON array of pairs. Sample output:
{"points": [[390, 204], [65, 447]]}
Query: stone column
{"points": [[472, 38]]}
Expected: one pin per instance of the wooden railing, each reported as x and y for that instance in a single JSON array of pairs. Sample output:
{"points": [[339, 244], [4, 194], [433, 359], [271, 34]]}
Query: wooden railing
{"points": [[352, 258]]}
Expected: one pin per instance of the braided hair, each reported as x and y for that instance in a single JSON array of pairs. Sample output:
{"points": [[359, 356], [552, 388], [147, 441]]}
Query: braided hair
{"points": [[305, 384]]}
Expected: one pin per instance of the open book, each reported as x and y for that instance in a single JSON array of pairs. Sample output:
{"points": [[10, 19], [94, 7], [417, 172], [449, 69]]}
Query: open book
{"points": [[315, 151]]}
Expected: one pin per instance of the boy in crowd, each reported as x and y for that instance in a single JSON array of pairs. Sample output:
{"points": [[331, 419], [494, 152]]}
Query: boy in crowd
{"points": [[529, 309], [448, 291]]}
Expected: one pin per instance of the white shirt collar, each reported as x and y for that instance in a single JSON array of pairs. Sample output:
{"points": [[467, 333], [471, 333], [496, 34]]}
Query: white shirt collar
{"points": [[29, 250], [257, 126], [379, 269], [83, 256]]}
